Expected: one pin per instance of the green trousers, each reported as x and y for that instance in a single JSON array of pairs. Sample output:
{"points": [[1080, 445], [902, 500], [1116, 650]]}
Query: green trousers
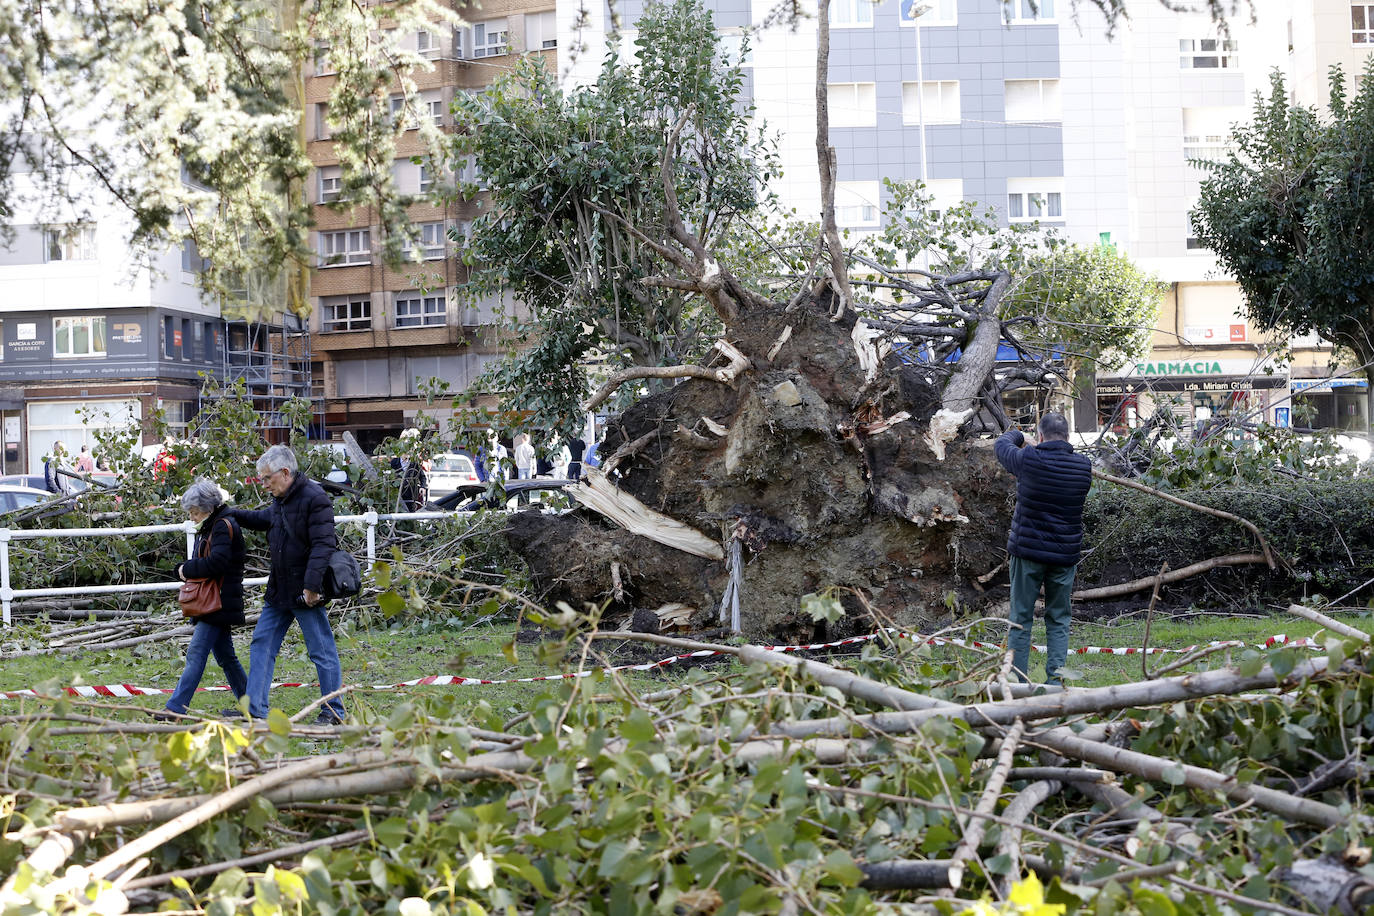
{"points": [[1027, 579]]}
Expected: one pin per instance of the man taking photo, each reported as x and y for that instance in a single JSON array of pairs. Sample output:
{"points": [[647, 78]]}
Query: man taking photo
{"points": [[1046, 537]]}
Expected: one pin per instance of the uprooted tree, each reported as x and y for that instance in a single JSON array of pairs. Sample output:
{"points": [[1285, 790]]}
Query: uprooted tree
{"points": [[830, 439]]}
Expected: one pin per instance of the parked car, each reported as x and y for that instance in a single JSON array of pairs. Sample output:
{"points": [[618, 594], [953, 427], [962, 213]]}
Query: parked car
{"points": [[451, 472], [13, 497], [516, 495], [73, 484]]}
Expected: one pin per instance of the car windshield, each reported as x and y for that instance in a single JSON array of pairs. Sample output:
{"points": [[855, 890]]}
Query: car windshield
{"points": [[453, 464]]}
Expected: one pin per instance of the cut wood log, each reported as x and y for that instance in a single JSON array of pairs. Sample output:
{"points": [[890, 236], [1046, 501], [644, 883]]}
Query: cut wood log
{"points": [[1329, 886], [911, 874], [1173, 575], [1335, 626]]}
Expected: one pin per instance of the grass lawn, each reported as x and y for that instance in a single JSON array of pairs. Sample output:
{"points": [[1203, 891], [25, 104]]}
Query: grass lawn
{"points": [[370, 657], [1173, 632], [415, 649]]}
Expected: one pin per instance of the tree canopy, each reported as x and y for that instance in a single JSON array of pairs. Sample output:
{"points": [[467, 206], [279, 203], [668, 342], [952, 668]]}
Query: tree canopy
{"points": [[1084, 304], [1290, 215], [189, 118], [578, 202]]}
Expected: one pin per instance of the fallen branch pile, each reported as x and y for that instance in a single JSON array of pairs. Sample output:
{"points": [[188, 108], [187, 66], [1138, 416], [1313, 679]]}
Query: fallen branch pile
{"points": [[899, 779]]}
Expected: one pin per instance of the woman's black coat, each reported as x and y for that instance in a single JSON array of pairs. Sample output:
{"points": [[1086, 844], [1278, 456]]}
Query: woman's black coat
{"points": [[223, 561]]}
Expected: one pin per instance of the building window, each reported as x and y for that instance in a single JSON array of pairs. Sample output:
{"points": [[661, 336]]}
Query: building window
{"points": [[1033, 100], [191, 261], [331, 183], [469, 173], [426, 44], [320, 116], [927, 13], [397, 105], [346, 313], [323, 67], [1206, 132], [1361, 25], [75, 242], [856, 203], [430, 244], [426, 178], [855, 14], [351, 246], [435, 107], [78, 337], [936, 101], [1035, 198], [1029, 10], [853, 105], [417, 310], [944, 193], [485, 39], [541, 31], [1208, 54]]}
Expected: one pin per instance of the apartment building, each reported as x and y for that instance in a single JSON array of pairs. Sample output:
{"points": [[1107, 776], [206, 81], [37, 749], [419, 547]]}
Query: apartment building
{"points": [[380, 334], [1032, 109], [89, 338]]}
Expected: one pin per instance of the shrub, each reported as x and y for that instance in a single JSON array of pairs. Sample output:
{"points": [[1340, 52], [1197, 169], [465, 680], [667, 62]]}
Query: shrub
{"points": [[1324, 528]]}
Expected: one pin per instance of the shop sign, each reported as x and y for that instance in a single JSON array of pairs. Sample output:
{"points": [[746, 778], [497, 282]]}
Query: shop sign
{"points": [[1215, 333], [1198, 367], [1326, 384], [25, 343]]}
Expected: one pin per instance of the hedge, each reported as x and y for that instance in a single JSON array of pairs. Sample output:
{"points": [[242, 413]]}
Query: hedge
{"points": [[1324, 529]]}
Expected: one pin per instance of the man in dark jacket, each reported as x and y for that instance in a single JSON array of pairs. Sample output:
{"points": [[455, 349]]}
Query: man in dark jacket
{"points": [[1046, 537], [300, 538]]}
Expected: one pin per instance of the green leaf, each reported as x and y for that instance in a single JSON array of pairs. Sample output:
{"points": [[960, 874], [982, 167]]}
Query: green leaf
{"points": [[278, 722], [839, 866], [1283, 661], [1153, 903], [1251, 663], [392, 832], [390, 603], [1174, 775], [637, 727]]}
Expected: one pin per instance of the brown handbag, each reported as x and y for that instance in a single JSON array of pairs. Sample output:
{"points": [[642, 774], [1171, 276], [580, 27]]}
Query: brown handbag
{"points": [[200, 597]]}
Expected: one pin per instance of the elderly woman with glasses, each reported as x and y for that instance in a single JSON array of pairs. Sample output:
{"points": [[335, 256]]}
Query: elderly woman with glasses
{"points": [[218, 554]]}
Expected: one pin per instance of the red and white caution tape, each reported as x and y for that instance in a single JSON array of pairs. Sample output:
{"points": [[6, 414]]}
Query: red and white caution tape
{"points": [[447, 680]]}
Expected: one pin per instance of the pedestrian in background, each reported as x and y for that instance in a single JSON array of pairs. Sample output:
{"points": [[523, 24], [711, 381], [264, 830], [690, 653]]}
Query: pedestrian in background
{"points": [[54, 482], [84, 462], [576, 449], [1046, 537], [218, 553], [300, 539], [524, 457]]}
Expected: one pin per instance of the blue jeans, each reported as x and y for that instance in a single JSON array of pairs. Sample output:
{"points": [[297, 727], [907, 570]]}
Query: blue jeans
{"points": [[319, 643], [207, 638], [1027, 578]]}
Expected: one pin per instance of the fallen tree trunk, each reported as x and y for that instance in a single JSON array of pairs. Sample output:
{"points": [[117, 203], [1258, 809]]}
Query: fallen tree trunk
{"points": [[1174, 575]]}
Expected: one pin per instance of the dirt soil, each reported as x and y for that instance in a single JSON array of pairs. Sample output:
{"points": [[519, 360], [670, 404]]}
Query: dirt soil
{"points": [[817, 503]]}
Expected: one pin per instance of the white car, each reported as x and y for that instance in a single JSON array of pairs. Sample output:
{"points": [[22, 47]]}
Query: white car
{"points": [[449, 472], [13, 498]]}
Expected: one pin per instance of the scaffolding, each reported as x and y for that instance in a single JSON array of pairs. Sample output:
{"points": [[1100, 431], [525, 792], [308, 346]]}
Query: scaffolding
{"points": [[273, 358]]}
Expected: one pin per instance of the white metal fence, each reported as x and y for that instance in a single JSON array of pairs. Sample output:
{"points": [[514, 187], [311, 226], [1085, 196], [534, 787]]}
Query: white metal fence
{"points": [[8, 593]]}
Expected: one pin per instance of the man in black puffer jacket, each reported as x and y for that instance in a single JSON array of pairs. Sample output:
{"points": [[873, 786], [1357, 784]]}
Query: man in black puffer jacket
{"points": [[300, 540], [1046, 537]]}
